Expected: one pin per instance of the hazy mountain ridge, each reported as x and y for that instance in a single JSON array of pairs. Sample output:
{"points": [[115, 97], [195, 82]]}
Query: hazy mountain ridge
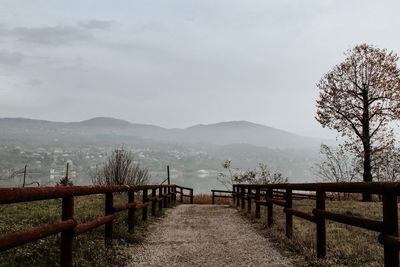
{"points": [[223, 133], [46, 145]]}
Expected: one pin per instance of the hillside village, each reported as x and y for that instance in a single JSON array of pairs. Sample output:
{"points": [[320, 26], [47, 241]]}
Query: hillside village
{"points": [[47, 150]]}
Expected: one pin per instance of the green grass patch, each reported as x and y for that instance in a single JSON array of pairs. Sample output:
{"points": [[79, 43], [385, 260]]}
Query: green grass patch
{"points": [[88, 248]]}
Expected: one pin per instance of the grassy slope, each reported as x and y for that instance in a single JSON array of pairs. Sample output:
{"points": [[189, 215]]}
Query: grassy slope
{"points": [[346, 245], [89, 248]]}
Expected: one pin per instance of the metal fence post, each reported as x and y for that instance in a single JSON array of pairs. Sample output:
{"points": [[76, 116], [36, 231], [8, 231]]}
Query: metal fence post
{"points": [[68, 235], [191, 196], [213, 201]]}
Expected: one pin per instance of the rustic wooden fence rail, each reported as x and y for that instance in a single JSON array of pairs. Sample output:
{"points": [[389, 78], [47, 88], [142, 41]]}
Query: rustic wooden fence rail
{"points": [[182, 193], [388, 227], [68, 227], [277, 194], [221, 194]]}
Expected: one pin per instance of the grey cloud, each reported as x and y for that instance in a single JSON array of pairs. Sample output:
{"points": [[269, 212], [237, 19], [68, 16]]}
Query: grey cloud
{"points": [[54, 36], [171, 56], [155, 27], [3, 29], [10, 58], [96, 24], [34, 82]]}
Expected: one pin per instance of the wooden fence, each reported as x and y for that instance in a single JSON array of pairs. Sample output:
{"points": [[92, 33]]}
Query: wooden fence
{"points": [[277, 194], [182, 194], [388, 227], [161, 196]]}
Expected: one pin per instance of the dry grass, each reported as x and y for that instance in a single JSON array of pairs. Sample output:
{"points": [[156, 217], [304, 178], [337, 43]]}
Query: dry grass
{"points": [[207, 199], [88, 249], [346, 245]]}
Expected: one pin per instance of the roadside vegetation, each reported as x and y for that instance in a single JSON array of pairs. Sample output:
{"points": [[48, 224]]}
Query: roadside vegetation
{"points": [[346, 245], [88, 249], [207, 199]]}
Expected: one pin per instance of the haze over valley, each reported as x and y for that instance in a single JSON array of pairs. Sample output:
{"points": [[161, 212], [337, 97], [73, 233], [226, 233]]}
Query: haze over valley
{"points": [[195, 154]]}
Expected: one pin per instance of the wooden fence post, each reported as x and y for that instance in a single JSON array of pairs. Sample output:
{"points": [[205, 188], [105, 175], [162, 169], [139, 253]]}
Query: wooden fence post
{"points": [[173, 195], [160, 202], [153, 202], [181, 190], [144, 210], [169, 195], [289, 216], [233, 194], [109, 209], [320, 220], [390, 227], [249, 193], [165, 198], [237, 196], [257, 203], [131, 212], [270, 206], [242, 196], [68, 235]]}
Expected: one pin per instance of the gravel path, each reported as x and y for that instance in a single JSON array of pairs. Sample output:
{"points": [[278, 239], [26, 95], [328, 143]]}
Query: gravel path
{"points": [[205, 235]]}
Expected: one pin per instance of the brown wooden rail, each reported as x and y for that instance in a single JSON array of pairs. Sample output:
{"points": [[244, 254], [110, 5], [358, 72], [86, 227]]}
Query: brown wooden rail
{"points": [[277, 194], [68, 227], [388, 227], [221, 194], [182, 194]]}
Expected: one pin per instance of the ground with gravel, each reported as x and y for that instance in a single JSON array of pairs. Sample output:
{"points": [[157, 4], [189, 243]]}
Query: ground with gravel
{"points": [[204, 235]]}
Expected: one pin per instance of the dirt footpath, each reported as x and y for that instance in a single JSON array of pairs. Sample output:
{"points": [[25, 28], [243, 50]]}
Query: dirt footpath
{"points": [[205, 235]]}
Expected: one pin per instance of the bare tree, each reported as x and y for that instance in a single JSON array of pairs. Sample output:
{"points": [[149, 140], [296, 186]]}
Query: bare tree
{"points": [[358, 98], [14, 174], [337, 165], [262, 175], [121, 169], [387, 166]]}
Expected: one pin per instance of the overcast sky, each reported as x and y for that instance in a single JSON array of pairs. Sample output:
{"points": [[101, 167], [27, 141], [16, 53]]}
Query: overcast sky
{"points": [[179, 63]]}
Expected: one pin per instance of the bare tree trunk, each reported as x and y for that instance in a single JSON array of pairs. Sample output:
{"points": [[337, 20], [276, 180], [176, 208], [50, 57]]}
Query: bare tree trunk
{"points": [[366, 140]]}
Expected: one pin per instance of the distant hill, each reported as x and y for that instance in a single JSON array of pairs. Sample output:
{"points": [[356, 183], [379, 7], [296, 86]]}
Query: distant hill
{"points": [[244, 132], [188, 150], [104, 122], [223, 133]]}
